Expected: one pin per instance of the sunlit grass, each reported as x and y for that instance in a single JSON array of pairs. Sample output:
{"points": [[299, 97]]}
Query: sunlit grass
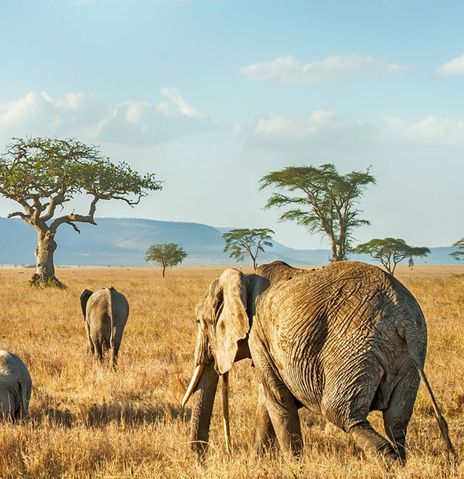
{"points": [[90, 422]]}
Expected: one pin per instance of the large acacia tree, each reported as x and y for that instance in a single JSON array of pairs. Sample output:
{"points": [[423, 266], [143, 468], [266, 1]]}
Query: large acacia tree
{"points": [[43, 174], [322, 200]]}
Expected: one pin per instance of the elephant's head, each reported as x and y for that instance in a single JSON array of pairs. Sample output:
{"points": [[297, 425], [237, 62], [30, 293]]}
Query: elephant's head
{"points": [[85, 295], [223, 325]]}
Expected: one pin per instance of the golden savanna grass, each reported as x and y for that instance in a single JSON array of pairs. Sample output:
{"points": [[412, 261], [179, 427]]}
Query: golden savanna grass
{"points": [[90, 422]]}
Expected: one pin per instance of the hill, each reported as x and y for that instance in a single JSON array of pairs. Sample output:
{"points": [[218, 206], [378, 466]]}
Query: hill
{"points": [[123, 242]]}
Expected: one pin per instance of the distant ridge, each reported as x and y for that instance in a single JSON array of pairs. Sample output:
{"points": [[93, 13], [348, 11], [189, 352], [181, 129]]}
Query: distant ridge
{"points": [[123, 242]]}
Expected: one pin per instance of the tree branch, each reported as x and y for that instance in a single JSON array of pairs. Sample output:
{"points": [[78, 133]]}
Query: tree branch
{"points": [[20, 214]]}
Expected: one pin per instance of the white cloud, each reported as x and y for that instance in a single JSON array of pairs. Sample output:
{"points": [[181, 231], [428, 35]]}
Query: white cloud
{"points": [[275, 126], [290, 70], [453, 67], [324, 130], [83, 116], [184, 107]]}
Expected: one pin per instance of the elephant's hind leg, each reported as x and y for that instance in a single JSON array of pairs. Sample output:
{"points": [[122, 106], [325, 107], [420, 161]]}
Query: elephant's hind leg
{"points": [[114, 355], [348, 407], [265, 436], [98, 350], [396, 417]]}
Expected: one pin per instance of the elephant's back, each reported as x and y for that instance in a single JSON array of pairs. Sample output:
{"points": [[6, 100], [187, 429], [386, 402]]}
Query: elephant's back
{"points": [[12, 368], [347, 296]]}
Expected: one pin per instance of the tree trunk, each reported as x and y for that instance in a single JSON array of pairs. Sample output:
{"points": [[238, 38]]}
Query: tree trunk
{"points": [[45, 269], [164, 270], [334, 252]]}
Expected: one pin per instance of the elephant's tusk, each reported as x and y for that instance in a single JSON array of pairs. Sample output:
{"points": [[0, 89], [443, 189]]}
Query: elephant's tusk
{"points": [[193, 383], [225, 409]]}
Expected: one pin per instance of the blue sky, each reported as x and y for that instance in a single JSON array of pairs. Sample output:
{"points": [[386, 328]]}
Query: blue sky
{"points": [[214, 94]]}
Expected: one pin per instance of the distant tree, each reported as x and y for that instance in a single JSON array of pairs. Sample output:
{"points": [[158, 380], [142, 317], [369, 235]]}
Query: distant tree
{"points": [[322, 200], [391, 251], [459, 254], [240, 242], [43, 174], [166, 255]]}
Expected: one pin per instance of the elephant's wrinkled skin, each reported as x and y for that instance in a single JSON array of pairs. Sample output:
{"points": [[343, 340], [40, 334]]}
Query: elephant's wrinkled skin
{"points": [[15, 387], [341, 341], [105, 314]]}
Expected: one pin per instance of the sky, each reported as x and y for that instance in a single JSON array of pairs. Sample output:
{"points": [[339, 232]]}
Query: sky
{"points": [[211, 95]]}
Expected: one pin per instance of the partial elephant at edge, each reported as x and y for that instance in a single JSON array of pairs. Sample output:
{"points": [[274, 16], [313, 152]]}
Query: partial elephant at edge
{"points": [[15, 387]]}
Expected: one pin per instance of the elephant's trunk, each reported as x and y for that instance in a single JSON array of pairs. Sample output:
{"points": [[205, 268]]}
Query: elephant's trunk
{"points": [[202, 408]]}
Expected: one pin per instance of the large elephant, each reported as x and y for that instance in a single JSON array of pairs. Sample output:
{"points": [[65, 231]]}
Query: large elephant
{"points": [[105, 314], [15, 387], [342, 341]]}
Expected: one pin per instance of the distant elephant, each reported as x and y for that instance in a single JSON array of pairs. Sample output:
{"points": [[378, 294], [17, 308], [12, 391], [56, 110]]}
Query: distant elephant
{"points": [[341, 341], [105, 315], [15, 387]]}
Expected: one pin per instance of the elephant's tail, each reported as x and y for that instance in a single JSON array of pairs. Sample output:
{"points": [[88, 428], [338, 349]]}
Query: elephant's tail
{"points": [[110, 311], [411, 336]]}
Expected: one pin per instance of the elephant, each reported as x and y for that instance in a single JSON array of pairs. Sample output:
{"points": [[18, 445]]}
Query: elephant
{"points": [[341, 341], [105, 314], [15, 387]]}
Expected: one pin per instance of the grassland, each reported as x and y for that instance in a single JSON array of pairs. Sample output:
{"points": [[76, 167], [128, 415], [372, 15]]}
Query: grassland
{"points": [[90, 422]]}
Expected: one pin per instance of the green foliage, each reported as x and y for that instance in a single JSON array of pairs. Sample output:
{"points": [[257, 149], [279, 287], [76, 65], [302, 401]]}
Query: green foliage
{"points": [[165, 254], [390, 251], [58, 169], [320, 199], [242, 241], [459, 254]]}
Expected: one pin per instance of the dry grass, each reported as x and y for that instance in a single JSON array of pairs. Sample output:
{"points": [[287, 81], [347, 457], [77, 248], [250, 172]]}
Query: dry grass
{"points": [[90, 422]]}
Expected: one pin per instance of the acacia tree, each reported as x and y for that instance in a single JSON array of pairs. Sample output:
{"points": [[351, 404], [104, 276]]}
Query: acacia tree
{"points": [[320, 199], [167, 254], [390, 251], [242, 241], [459, 254], [43, 174]]}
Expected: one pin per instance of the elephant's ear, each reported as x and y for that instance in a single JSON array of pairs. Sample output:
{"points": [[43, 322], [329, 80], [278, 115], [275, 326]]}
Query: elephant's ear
{"points": [[233, 323], [85, 295]]}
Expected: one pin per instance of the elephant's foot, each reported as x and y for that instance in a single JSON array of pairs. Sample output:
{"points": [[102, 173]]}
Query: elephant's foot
{"points": [[372, 443]]}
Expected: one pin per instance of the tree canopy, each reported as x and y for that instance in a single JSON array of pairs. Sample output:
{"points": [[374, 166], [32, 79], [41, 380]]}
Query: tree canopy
{"points": [[43, 174], [242, 241], [166, 255], [390, 251], [322, 200], [459, 254]]}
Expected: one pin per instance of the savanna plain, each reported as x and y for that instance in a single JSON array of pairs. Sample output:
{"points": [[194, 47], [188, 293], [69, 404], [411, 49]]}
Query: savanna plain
{"points": [[90, 422]]}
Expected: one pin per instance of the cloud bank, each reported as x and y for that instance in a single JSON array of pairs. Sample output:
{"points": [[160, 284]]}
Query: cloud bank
{"points": [[82, 115], [334, 67]]}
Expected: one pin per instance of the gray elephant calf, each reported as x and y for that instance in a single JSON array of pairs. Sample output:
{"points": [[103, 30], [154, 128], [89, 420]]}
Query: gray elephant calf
{"points": [[105, 314], [15, 387]]}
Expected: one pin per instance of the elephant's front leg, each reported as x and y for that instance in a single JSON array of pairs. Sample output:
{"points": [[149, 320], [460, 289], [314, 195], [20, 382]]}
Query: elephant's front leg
{"points": [[281, 406], [283, 412], [265, 437]]}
